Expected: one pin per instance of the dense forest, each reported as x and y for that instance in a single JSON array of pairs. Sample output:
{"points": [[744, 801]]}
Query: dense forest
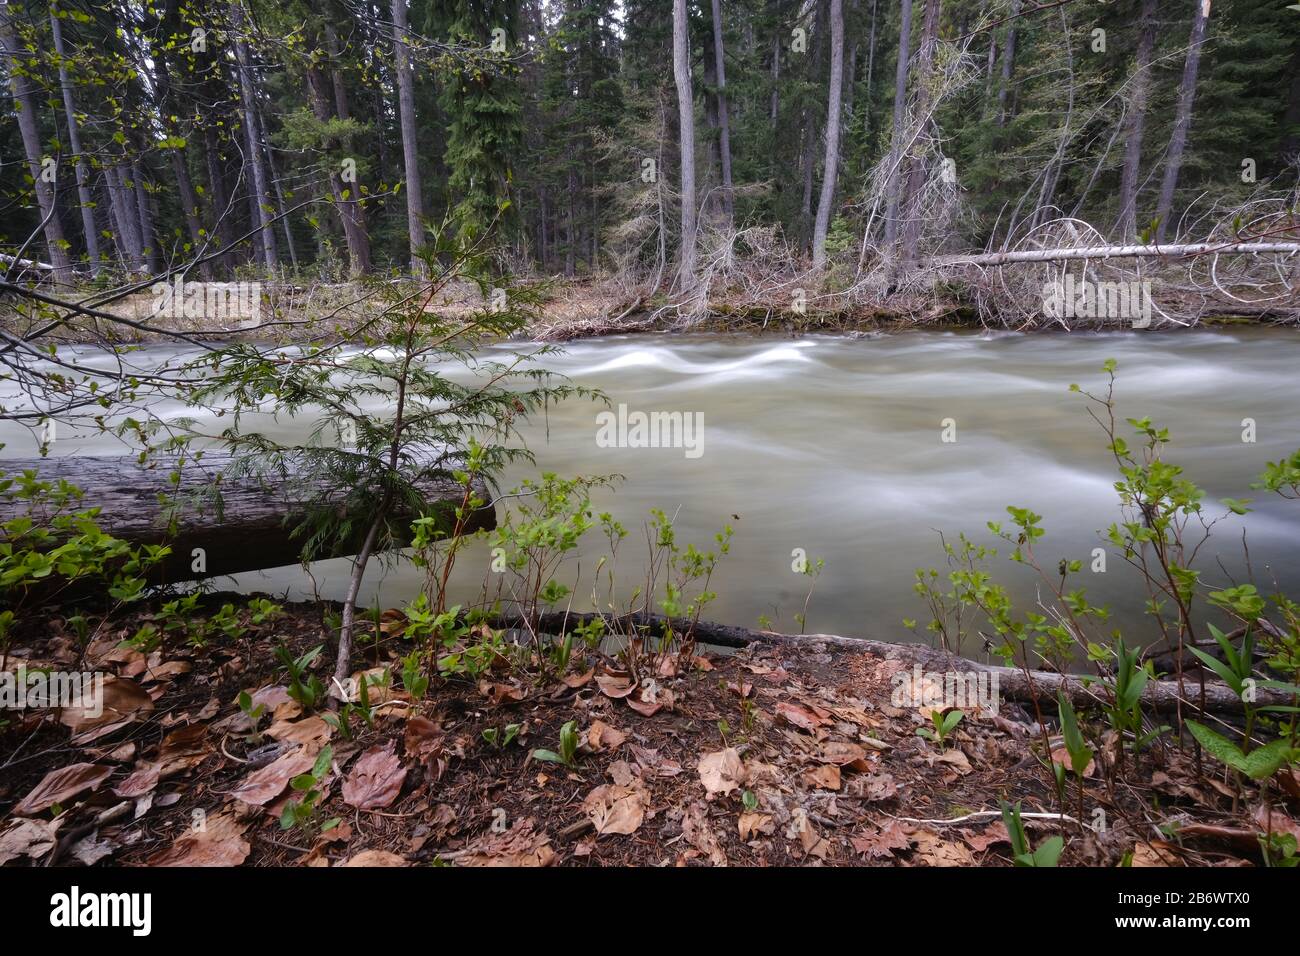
{"points": [[318, 137]]}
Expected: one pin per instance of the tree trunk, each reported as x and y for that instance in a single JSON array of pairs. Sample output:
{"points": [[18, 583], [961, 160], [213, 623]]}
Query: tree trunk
{"points": [[25, 107], [686, 139], [410, 148], [1008, 66], [148, 235], [251, 529], [354, 234], [126, 231], [260, 194], [1183, 118], [833, 120], [893, 172], [916, 174], [1126, 226], [724, 123], [85, 197]]}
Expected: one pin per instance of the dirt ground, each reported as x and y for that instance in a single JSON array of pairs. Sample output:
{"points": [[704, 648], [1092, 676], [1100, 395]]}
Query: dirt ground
{"points": [[772, 756]]}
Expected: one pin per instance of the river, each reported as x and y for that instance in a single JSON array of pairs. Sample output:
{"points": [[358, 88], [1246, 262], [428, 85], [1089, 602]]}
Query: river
{"points": [[835, 445]]}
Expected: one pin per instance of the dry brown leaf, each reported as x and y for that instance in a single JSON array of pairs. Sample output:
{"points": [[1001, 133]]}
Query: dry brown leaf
{"points": [[615, 808], [933, 850], [722, 771], [262, 786], [60, 786], [142, 780], [183, 748], [219, 842], [501, 694], [957, 760], [995, 832], [1156, 853], [825, 777], [310, 731], [841, 753], [423, 740], [802, 717], [616, 686], [376, 858], [601, 737], [574, 681], [29, 838], [518, 846], [879, 844], [698, 833], [124, 701], [375, 781], [752, 823]]}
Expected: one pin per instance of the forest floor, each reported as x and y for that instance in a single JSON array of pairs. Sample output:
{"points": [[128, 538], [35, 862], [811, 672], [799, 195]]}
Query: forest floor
{"points": [[775, 755]]}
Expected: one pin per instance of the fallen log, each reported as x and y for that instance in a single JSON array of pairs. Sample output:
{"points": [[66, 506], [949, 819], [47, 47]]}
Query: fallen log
{"points": [[1013, 683], [247, 529], [1152, 251]]}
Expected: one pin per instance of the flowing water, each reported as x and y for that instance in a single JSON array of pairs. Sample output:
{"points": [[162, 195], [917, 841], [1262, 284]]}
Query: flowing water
{"points": [[835, 445]]}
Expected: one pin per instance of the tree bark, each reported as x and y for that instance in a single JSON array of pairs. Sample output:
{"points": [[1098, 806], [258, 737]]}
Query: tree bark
{"points": [[1126, 226], [893, 172], [25, 107], [410, 148], [724, 123], [260, 194], [85, 197], [148, 235], [1183, 118], [833, 121], [916, 174], [1008, 65], [248, 531], [686, 139]]}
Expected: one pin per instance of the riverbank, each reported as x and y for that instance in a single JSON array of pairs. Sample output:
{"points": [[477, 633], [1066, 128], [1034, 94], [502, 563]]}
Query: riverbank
{"points": [[570, 309], [792, 753]]}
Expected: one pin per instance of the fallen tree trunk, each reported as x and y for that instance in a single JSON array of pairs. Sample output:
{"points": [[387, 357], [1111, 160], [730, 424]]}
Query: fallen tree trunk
{"points": [[246, 529], [1152, 251], [1012, 683]]}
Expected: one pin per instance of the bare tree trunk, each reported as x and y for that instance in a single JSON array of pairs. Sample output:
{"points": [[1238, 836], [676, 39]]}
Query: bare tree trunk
{"points": [[871, 68], [148, 235], [1008, 65], [833, 120], [261, 218], [724, 124], [1183, 118], [916, 175], [808, 156], [410, 148], [220, 195], [775, 105], [127, 232], [1135, 126], [85, 197], [893, 171], [25, 107], [686, 138]]}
